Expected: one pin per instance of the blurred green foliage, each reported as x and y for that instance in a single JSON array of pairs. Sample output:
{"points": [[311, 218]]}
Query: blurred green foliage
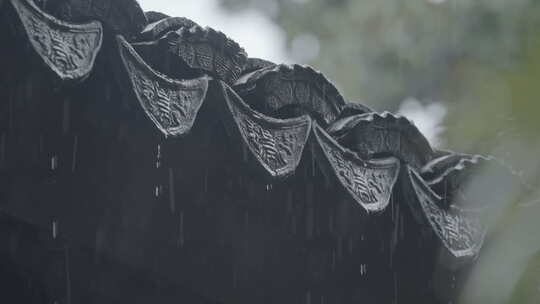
{"points": [[481, 58], [382, 51]]}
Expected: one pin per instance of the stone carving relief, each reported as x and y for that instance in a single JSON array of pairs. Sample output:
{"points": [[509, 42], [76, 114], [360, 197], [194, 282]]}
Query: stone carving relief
{"points": [[459, 230], [254, 64], [370, 182], [374, 134], [207, 50], [68, 49], [461, 179], [276, 144], [450, 168], [123, 16], [172, 105], [292, 85], [153, 16], [157, 29], [201, 214], [352, 108]]}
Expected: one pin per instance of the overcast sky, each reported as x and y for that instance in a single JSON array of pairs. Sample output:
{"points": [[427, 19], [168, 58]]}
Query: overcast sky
{"points": [[260, 37], [253, 30]]}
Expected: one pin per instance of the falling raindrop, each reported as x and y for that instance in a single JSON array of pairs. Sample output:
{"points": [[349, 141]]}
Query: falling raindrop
{"points": [[309, 223], [54, 162], [181, 232], [244, 153], [54, 229], [158, 156], [309, 194], [108, 93], [157, 190], [392, 212], [41, 143], [402, 229], [333, 263], [10, 111], [293, 224], [339, 252], [68, 277], [65, 116], [312, 160], [2, 149], [395, 234], [171, 190], [395, 288], [308, 297], [74, 155], [25, 92], [289, 209], [205, 180], [363, 269]]}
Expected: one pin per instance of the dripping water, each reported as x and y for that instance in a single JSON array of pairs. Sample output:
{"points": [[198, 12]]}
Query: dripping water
{"points": [[333, 263], [181, 230], [10, 111], [65, 116], [309, 222], [171, 190], [74, 154], [158, 156], [41, 143], [235, 277], [205, 180], [331, 223], [363, 269], [68, 277], [54, 229], [2, 150], [54, 162]]}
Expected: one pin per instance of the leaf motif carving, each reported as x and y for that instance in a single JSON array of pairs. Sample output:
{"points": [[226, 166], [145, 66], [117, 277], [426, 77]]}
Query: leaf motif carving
{"points": [[370, 183], [206, 50], [277, 144], [460, 230], [121, 16], [68, 49], [383, 133], [265, 144], [172, 105], [284, 86]]}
